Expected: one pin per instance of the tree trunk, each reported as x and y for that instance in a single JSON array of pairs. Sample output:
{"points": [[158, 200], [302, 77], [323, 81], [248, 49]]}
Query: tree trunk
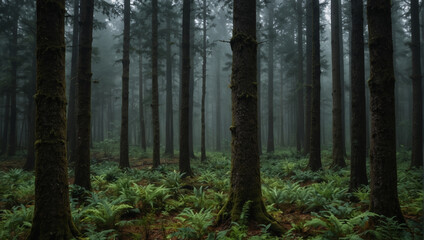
{"points": [[300, 108], [11, 147], [30, 158], [315, 140], [383, 197], [417, 105], [282, 102], [245, 165], [358, 168], [72, 102], [308, 83], [270, 145], [6, 123], [338, 157], [82, 167], [140, 101], [155, 89], [184, 162], [218, 103], [258, 64], [203, 141], [191, 86], [123, 153], [52, 214], [169, 146]]}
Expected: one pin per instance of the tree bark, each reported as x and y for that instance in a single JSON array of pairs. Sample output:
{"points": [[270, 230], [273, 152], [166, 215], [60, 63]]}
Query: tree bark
{"points": [[338, 157], [184, 162], [169, 146], [270, 143], [72, 102], [300, 110], [417, 96], [11, 146], [6, 123], [82, 167], [140, 100], [358, 168], [315, 140], [155, 88], [245, 180], [383, 197], [218, 103], [123, 153], [308, 83], [52, 214], [191, 84], [30, 158], [203, 141], [258, 63]]}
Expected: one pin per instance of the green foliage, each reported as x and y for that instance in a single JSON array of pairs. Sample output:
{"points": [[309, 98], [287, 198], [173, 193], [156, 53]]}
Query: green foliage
{"points": [[197, 223], [105, 214], [15, 221]]}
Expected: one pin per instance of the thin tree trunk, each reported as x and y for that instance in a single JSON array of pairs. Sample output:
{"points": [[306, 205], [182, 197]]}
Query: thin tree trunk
{"points": [[82, 166], [270, 143], [30, 158], [308, 83], [383, 197], [6, 123], [184, 162], [123, 153], [52, 213], [169, 146], [282, 102], [72, 102], [258, 64], [315, 140], [300, 108], [140, 101], [358, 168], [11, 147], [155, 89], [218, 102], [203, 141], [191, 86], [338, 157], [417, 105]]}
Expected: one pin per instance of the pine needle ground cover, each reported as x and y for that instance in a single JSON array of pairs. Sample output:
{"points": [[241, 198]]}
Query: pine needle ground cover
{"points": [[140, 203]]}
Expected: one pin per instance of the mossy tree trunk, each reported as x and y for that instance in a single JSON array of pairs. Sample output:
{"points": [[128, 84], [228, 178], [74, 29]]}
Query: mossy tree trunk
{"points": [[52, 214], [123, 153], [271, 36], [245, 165], [315, 138], [417, 102], [300, 110], [308, 82], [383, 197], [169, 146], [155, 88], [184, 161], [203, 122], [338, 156], [358, 168], [82, 167], [72, 101]]}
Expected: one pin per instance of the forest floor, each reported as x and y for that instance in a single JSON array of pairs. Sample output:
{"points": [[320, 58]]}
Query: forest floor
{"points": [[140, 203]]}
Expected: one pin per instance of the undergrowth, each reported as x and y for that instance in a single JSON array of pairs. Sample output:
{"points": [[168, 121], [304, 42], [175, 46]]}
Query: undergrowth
{"points": [[162, 204]]}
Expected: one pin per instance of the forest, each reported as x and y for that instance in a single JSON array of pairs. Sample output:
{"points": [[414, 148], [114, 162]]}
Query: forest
{"points": [[211, 119]]}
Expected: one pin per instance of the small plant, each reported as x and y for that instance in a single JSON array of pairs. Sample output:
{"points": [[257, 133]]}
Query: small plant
{"points": [[173, 180], [15, 221], [197, 222], [103, 213]]}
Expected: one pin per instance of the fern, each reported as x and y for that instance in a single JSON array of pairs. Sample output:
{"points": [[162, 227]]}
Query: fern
{"points": [[198, 221]]}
